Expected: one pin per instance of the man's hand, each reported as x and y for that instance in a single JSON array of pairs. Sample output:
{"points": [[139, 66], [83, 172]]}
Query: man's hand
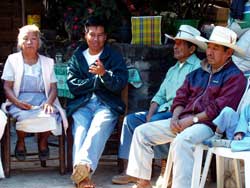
{"points": [[97, 68], [185, 122], [148, 117], [178, 125], [174, 125]]}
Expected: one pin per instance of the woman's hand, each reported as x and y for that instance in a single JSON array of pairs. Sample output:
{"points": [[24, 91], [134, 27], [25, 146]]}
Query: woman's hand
{"points": [[9, 92], [23, 105], [48, 108]]}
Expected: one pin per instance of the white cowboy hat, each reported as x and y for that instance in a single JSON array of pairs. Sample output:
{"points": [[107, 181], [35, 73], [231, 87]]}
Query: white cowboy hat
{"points": [[225, 37], [190, 34]]}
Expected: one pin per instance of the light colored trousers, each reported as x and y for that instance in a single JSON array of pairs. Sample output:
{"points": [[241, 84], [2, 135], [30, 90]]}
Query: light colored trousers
{"points": [[134, 120], [159, 132], [93, 124]]}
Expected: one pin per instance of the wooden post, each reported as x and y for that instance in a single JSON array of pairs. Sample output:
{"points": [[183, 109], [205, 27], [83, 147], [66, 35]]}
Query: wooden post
{"points": [[23, 12]]}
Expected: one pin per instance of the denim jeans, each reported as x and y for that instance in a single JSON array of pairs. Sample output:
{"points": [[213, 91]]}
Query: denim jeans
{"points": [[93, 124], [134, 120], [227, 122], [159, 132], [231, 122]]}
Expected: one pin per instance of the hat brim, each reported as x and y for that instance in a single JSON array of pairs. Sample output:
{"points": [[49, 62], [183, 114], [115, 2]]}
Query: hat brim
{"points": [[202, 46], [237, 50]]}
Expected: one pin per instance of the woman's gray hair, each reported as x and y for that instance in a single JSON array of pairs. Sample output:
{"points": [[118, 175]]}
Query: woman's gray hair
{"points": [[23, 31]]}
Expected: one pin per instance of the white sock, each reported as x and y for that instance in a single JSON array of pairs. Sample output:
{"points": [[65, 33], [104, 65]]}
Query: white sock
{"points": [[209, 141], [221, 143]]}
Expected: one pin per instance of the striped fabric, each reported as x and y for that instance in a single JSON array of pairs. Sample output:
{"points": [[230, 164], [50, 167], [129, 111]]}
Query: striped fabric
{"points": [[146, 30]]}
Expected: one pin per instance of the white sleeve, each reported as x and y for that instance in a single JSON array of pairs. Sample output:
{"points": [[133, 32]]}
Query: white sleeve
{"points": [[8, 72], [53, 75]]}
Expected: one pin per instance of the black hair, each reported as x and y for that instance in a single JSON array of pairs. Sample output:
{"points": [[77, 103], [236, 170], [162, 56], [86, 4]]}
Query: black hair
{"points": [[225, 48], [191, 44], [95, 21]]}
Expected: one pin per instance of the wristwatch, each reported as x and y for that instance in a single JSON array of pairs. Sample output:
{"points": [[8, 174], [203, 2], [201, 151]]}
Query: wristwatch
{"points": [[195, 119]]}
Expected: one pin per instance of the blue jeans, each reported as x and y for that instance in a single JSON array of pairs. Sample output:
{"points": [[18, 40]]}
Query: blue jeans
{"points": [[231, 122], [93, 124], [227, 122], [134, 120]]}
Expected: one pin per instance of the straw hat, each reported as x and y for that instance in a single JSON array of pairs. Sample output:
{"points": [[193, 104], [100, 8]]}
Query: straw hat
{"points": [[190, 34], [225, 37]]}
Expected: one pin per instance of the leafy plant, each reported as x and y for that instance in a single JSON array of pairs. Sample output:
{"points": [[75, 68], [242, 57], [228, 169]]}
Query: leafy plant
{"points": [[77, 11], [190, 9]]}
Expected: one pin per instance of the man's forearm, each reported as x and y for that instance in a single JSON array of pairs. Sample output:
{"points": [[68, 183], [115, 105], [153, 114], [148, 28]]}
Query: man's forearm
{"points": [[177, 112]]}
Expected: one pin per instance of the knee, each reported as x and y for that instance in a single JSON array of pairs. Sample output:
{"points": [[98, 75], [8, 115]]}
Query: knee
{"points": [[130, 122], [180, 144], [228, 111], [127, 122], [139, 133]]}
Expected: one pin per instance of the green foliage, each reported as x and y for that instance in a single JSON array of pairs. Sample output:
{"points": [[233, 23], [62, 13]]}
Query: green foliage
{"points": [[69, 16]]}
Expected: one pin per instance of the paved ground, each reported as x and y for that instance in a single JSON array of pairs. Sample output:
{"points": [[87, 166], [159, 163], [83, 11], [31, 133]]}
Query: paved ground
{"points": [[48, 178], [31, 175]]}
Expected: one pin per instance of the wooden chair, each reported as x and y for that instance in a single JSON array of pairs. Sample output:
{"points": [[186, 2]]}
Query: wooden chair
{"points": [[8, 158], [113, 142]]}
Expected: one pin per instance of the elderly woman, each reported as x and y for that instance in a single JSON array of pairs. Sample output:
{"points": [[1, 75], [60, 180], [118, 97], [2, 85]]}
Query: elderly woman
{"points": [[31, 92]]}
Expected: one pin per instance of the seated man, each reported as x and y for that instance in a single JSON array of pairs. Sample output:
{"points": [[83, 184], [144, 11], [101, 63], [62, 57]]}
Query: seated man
{"points": [[184, 51], [205, 92], [96, 77]]}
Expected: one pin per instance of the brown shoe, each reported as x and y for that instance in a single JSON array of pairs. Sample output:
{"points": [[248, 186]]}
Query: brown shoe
{"points": [[80, 172], [86, 183], [142, 184], [123, 179]]}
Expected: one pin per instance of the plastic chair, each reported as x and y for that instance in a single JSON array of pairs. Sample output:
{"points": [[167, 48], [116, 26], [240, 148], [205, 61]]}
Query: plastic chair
{"points": [[7, 157], [222, 153], [198, 156]]}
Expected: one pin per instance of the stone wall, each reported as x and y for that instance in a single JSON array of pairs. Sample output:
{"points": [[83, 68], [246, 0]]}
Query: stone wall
{"points": [[152, 63]]}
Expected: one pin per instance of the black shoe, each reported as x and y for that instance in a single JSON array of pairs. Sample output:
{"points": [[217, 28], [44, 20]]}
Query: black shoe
{"points": [[20, 154], [44, 154]]}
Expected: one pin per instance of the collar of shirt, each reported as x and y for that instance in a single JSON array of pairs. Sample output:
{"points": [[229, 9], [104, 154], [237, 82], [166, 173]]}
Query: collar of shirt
{"points": [[190, 60]]}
